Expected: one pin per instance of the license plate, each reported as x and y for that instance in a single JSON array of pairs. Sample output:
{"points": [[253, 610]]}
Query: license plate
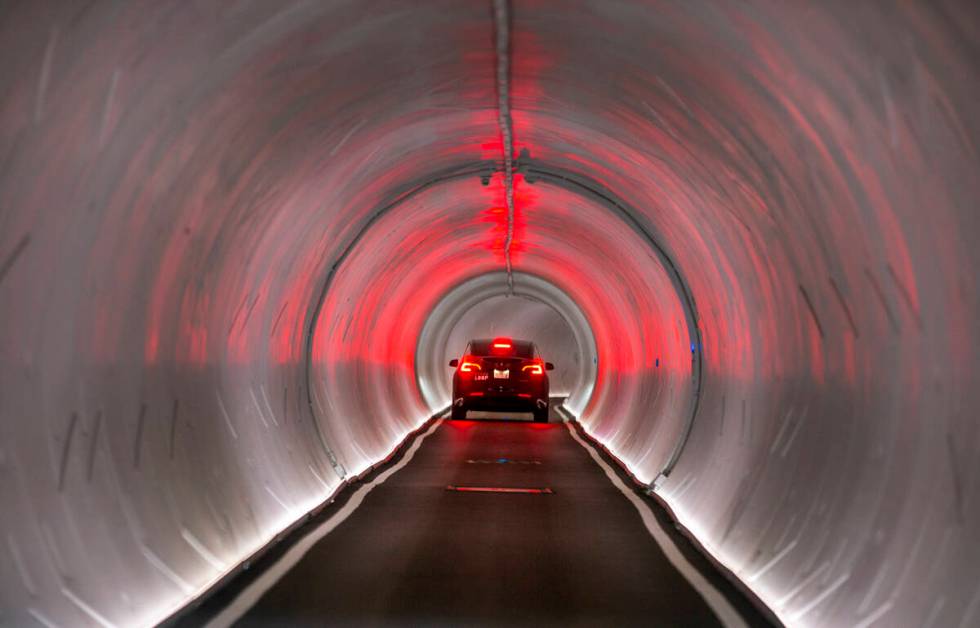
{"points": [[504, 374]]}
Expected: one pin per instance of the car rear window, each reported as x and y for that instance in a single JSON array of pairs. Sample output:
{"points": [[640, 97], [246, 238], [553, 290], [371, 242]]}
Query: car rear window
{"points": [[520, 349]]}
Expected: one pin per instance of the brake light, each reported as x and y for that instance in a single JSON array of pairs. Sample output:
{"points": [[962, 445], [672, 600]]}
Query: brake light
{"points": [[502, 343], [534, 369], [468, 365]]}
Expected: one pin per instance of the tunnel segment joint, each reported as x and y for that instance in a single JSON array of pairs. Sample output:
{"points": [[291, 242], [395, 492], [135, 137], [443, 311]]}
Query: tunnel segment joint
{"points": [[534, 172]]}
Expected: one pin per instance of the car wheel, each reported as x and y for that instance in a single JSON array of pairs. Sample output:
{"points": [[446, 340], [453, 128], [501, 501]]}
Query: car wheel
{"points": [[541, 415], [458, 413]]}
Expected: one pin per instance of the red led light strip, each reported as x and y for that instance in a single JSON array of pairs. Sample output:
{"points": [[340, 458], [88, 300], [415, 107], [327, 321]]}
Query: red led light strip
{"points": [[499, 489]]}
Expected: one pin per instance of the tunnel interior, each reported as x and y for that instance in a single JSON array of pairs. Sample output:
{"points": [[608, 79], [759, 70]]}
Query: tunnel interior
{"points": [[240, 241]]}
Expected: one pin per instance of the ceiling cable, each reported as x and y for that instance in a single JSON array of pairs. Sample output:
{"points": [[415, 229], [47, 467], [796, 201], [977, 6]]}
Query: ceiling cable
{"points": [[501, 15]]}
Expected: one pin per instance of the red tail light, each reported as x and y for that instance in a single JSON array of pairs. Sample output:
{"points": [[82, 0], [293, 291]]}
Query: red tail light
{"points": [[534, 369], [469, 365]]}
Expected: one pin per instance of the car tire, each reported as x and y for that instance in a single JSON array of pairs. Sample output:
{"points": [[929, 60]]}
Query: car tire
{"points": [[458, 413], [541, 415]]}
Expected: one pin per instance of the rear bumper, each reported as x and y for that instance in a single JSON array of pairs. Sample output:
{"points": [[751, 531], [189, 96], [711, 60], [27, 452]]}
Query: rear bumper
{"points": [[519, 394], [500, 402]]}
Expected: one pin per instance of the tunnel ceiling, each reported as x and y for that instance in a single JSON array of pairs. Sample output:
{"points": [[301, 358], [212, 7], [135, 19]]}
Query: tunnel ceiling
{"points": [[224, 225]]}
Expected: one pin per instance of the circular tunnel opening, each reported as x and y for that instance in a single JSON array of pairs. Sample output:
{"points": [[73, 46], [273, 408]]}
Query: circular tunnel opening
{"points": [[537, 310], [382, 337]]}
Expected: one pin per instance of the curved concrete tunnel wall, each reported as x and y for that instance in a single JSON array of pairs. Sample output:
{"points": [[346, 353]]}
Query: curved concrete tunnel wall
{"points": [[193, 197], [402, 266]]}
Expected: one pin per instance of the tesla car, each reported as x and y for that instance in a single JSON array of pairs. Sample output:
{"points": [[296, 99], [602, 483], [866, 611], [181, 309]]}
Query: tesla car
{"points": [[501, 375]]}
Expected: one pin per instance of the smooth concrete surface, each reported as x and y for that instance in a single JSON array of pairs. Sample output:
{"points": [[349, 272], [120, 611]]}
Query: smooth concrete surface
{"points": [[224, 226], [415, 553]]}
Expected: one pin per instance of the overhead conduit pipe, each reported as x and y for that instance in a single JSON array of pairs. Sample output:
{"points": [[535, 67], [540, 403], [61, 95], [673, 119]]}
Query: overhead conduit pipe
{"points": [[224, 228]]}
